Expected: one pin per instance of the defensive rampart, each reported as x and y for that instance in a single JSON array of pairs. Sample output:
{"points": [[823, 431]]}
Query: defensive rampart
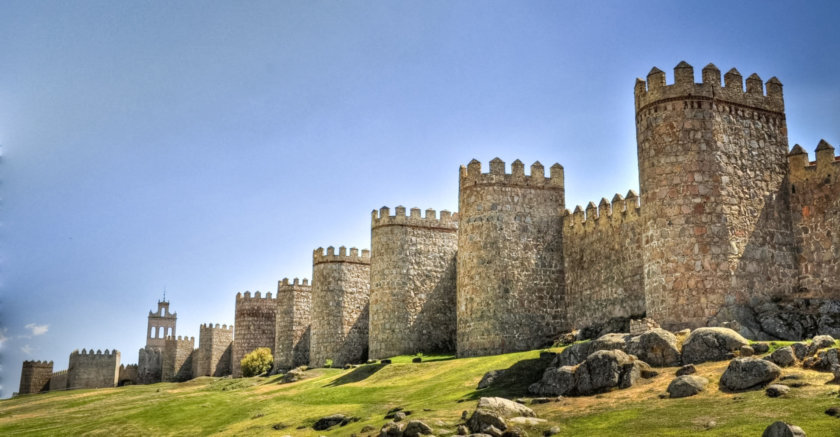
{"points": [[294, 312], [255, 324], [89, 369]]}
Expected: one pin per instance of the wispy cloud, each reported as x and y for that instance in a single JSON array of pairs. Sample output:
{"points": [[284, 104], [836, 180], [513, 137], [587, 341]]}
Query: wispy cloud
{"points": [[37, 329], [3, 337], [26, 349]]}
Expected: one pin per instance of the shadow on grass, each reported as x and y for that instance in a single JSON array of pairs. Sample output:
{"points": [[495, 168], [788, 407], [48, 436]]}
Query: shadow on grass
{"points": [[358, 374], [515, 380]]}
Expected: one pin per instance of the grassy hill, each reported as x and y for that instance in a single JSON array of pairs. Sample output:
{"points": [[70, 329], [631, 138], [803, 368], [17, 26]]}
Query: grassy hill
{"points": [[434, 391]]}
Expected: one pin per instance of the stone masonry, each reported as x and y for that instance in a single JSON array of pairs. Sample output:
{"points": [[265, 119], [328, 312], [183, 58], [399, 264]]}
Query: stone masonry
{"points": [[215, 347], [35, 376], [294, 310], [412, 282], [58, 381], [160, 325], [511, 283], [176, 363], [255, 324], [340, 295], [89, 369]]}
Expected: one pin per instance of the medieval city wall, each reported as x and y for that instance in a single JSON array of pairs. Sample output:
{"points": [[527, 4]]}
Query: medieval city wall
{"points": [[712, 167], [149, 364], [255, 325], [89, 369], [128, 375], [294, 313], [815, 206], [215, 346], [412, 282], [58, 381], [340, 306], [602, 249], [35, 376], [511, 282], [176, 360]]}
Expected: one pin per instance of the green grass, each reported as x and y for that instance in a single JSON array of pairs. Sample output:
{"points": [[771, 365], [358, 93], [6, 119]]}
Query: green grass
{"points": [[436, 391]]}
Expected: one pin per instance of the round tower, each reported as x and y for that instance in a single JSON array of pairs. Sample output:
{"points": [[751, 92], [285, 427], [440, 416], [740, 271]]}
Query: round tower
{"points": [[254, 326], [511, 286], [412, 282], [294, 308], [35, 377], [712, 163], [340, 295]]}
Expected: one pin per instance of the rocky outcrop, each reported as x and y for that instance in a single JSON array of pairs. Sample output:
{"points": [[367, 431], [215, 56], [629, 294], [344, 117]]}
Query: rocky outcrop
{"points": [[601, 371], [794, 320], [656, 347], [489, 378], [783, 357], [711, 344], [686, 385], [491, 413], [748, 373], [577, 353], [781, 429]]}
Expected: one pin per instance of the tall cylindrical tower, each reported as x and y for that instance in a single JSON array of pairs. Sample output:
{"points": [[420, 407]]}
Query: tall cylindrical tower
{"points": [[340, 295], [254, 326], [412, 285], [294, 309], [712, 164], [511, 286]]}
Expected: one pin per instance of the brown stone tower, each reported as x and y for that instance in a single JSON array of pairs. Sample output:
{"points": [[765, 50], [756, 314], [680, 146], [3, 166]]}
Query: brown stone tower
{"points": [[412, 282], [35, 377], [89, 369], [215, 347], [511, 285], [255, 323], [294, 309], [712, 167], [161, 324], [176, 363], [340, 295]]}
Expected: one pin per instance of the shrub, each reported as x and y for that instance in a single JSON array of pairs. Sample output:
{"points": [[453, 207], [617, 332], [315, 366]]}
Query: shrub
{"points": [[257, 362]]}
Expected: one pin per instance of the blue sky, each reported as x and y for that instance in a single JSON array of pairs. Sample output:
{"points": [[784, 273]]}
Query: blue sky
{"points": [[207, 148]]}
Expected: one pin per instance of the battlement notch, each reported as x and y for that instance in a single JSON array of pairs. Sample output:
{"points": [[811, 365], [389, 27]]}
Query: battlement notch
{"points": [[382, 218], [320, 257], [472, 175], [606, 213], [826, 163], [257, 296]]}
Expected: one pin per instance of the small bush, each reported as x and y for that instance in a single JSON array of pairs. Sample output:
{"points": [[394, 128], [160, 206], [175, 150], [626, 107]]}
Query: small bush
{"points": [[257, 362], [328, 363]]}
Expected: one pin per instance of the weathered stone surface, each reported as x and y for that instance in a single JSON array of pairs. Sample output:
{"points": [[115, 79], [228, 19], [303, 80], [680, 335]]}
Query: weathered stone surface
{"points": [[416, 428], [577, 353], [776, 390], [293, 324], [556, 381], [748, 373], [760, 348], [294, 375], [746, 351], [820, 342], [215, 346], [711, 344], [392, 430], [177, 359], [489, 377], [783, 357], [413, 282], [602, 370], [255, 326], [686, 385], [640, 326], [824, 361], [687, 369], [800, 350], [492, 412], [781, 429], [656, 347], [35, 377], [328, 422]]}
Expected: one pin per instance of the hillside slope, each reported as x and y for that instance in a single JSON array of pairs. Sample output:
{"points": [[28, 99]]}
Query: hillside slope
{"points": [[436, 392]]}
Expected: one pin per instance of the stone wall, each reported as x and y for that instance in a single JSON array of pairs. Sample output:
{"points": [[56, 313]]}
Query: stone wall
{"points": [[340, 295], [255, 324], [294, 310], [602, 249], [714, 210], [413, 282], [160, 326], [511, 284], [176, 360], [128, 375], [89, 369], [815, 207], [149, 362], [35, 376], [215, 346], [58, 381]]}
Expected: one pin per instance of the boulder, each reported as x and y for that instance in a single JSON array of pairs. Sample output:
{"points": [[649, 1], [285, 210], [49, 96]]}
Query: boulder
{"points": [[781, 429], [656, 347], [556, 381], [492, 412], [294, 375], [605, 369], [820, 342], [711, 344], [688, 369], [489, 378], [416, 428], [328, 422], [760, 348], [391, 429], [783, 357], [577, 353], [746, 373], [800, 350], [747, 351], [835, 370], [776, 390], [686, 385], [462, 430], [824, 361]]}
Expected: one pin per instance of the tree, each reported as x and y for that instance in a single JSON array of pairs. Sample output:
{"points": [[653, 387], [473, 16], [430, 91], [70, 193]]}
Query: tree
{"points": [[257, 362]]}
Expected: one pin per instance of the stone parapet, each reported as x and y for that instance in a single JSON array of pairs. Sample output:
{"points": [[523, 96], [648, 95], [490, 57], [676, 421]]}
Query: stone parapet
{"points": [[292, 332]]}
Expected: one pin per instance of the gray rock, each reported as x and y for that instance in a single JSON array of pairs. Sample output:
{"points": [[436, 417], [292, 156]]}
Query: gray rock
{"points": [[835, 370], [800, 350], [328, 422], [607, 369], [784, 357], [711, 344], [747, 351], [688, 369], [820, 342], [776, 390], [555, 382], [577, 353], [552, 431], [686, 385], [416, 428], [492, 431], [781, 429], [656, 347], [489, 378], [294, 375], [824, 361], [746, 373], [391, 430], [760, 348], [492, 412], [462, 430], [514, 432], [399, 416]]}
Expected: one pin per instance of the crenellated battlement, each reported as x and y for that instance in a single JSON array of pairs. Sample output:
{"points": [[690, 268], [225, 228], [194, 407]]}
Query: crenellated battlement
{"points": [[382, 217], [606, 213], [64, 372], [319, 257], [285, 283], [804, 170], [37, 363], [654, 90], [210, 326], [257, 296], [98, 353], [181, 339], [471, 175]]}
